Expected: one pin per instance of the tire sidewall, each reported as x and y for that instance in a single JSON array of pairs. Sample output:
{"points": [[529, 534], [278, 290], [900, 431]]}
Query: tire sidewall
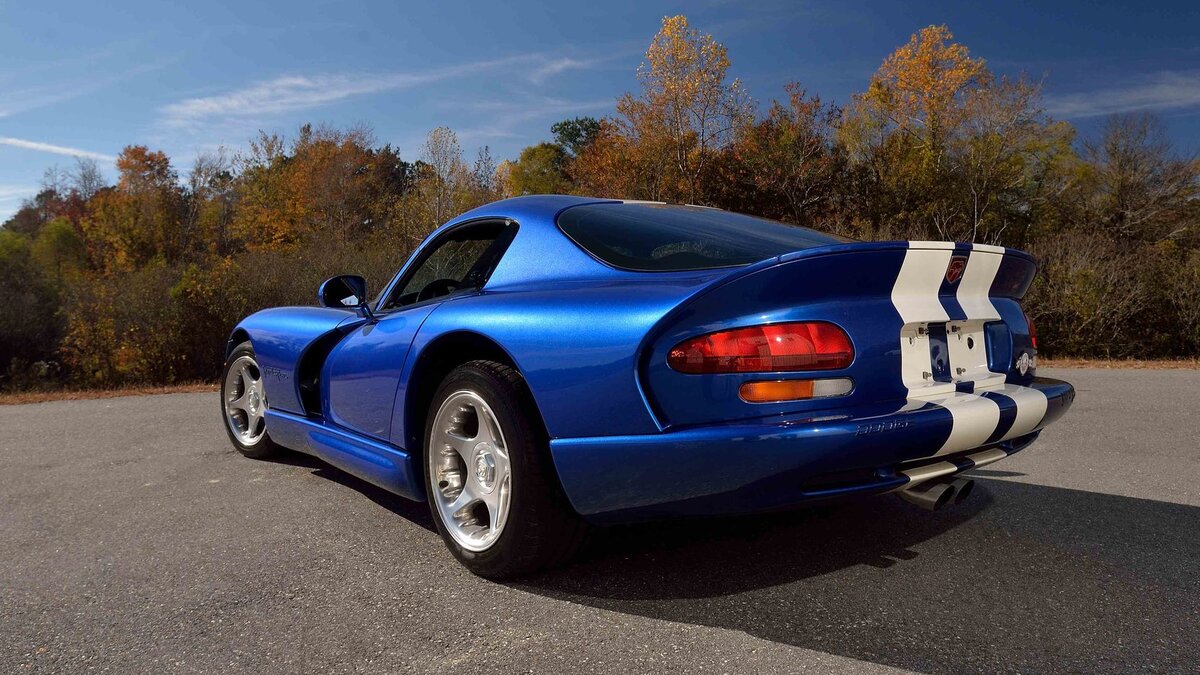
{"points": [[265, 446], [521, 440]]}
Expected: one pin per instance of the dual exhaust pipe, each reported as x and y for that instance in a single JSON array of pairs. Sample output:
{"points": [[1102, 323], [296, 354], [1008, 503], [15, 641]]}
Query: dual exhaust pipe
{"points": [[934, 495]]}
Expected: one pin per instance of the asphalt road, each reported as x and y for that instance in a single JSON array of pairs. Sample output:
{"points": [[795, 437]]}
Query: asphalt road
{"points": [[133, 539]]}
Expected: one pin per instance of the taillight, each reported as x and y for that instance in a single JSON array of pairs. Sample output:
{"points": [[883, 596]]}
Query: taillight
{"points": [[807, 345], [1032, 332]]}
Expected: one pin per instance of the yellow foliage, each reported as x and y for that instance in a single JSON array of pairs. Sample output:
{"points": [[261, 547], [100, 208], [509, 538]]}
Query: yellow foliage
{"points": [[921, 86]]}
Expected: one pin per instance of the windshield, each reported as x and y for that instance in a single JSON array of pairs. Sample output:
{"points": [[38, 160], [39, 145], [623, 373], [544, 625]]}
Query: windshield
{"points": [[668, 238]]}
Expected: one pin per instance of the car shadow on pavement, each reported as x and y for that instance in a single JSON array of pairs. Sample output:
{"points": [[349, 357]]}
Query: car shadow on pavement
{"points": [[1019, 577], [415, 512]]}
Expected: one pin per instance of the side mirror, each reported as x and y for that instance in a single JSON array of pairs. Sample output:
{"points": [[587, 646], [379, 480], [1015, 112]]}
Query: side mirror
{"points": [[345, 291]]}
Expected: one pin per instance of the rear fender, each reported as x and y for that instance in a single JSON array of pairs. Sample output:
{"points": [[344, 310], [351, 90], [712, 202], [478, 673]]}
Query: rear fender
{"points": [[855, 286]]}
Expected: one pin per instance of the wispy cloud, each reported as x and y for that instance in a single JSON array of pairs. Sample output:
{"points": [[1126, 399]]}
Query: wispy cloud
{"points": [[1166, 90], [301, 92], [556, 66], [11, 197], [54, 149], [14, 100], [12, 193]]}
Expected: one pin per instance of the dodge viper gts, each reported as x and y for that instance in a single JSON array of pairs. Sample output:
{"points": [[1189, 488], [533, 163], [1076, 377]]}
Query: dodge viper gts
{"points": [[545, 363]]}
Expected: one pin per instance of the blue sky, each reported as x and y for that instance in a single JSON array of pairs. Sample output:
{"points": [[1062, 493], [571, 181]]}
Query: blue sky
{"points": [[89, 78]]}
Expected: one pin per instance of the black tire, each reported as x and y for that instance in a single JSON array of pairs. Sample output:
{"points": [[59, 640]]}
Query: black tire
{"points": [[263, 447], [541, 530]]}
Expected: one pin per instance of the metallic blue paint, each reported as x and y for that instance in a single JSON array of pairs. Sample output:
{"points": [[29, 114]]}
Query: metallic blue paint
{"points": [[382, 464], [745, 466], [281, 336], [630, 437], [362, 373]]}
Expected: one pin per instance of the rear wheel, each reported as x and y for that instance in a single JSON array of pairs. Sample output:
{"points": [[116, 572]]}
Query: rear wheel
{"points": [[492, 488], [244, 404]]}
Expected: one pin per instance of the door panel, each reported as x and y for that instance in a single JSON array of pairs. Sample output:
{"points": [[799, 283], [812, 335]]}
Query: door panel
{"points": [[362, 374]]}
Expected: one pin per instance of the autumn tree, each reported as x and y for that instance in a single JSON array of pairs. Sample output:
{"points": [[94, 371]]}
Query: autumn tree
{"points": [[327, 171], [28, 307], [141, 219], [541, 169], [574, 135], [324, 183], [502, 179], [210, 200], [35, 212], [442, 155], [86, 179], [687, 111], [943, 147], [59, 250], [1137, 186], [268, 216], [482, 186], [787, 165], [623, 162]]}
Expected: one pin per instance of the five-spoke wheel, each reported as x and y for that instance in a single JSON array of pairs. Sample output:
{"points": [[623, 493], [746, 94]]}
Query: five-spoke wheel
{"points": [[495, 496], [470, 470], [245, 400], [244, 403]]}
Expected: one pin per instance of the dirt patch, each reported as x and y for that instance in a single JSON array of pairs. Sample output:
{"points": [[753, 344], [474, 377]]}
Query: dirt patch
{"points": [[1134, 364], [81, 394]]}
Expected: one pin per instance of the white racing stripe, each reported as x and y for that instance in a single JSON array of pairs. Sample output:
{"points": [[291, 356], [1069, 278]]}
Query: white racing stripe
{"points": [[988, 248], [974, 419], [976, 284], [1031, 409], [915, 296]]}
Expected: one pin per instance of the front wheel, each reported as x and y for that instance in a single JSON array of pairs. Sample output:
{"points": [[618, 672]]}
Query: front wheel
{"points": [[495, 497], [244, 404]]}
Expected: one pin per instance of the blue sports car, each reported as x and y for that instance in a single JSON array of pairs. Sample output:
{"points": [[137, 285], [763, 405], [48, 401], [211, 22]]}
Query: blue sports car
{"points": [[544, 363]]}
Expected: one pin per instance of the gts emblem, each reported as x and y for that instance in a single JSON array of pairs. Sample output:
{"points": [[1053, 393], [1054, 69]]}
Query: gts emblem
{"points": [[275, 373], [881, 427]]}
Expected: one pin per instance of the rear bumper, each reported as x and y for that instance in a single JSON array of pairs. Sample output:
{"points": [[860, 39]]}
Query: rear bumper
{"points": [[764, 465]]}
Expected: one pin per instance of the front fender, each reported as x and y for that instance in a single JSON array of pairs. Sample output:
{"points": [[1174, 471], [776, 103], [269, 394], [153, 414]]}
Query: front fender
{"points": [[281, 336]]}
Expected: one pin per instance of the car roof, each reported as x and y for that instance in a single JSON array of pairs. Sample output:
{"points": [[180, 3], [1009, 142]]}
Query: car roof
{"points": [[533, 210], [541, 252]]}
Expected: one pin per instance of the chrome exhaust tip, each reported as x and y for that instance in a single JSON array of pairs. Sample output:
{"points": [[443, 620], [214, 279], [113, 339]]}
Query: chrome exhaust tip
{"points": [[930, 496], [962, 489]]}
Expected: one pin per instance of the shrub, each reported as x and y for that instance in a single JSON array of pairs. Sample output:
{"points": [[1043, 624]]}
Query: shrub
{"points": [[1085, 296]]}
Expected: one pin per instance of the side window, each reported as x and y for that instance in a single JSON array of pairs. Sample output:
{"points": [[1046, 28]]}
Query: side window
{"points": [[460, 260]]}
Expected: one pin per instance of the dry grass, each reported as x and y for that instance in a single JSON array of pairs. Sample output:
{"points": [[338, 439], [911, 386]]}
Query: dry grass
{"points": [[82, 394], [1133, 364]]}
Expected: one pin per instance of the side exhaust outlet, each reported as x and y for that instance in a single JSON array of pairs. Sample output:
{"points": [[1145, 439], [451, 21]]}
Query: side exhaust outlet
{"points": [[930, 496]]}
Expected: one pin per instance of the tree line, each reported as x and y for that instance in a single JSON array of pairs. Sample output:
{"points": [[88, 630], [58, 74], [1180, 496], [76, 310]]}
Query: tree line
{"points": [[140, 281]]}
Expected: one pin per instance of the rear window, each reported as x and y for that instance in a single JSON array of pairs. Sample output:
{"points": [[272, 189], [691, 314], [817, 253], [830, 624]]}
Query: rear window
{"points": [[669, 238]]}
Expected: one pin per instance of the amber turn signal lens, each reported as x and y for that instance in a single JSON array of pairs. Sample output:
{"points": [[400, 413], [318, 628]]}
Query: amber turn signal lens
{"points": [[783, 390], [795, 390]]}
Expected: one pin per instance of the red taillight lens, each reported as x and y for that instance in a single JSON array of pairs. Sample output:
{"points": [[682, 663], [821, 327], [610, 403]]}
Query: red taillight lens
{"points": [[1032, 331], [809, 345]]}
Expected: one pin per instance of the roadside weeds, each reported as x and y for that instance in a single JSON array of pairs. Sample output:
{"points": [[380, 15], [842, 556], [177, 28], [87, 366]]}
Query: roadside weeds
{"points": [[22, 397]]}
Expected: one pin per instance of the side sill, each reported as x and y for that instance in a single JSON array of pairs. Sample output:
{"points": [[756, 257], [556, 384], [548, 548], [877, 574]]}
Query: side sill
{"points": [[378, 463]]}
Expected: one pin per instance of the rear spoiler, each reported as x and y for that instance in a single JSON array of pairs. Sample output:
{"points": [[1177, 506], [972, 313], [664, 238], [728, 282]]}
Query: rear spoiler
{"points": [[1010, 285]]}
